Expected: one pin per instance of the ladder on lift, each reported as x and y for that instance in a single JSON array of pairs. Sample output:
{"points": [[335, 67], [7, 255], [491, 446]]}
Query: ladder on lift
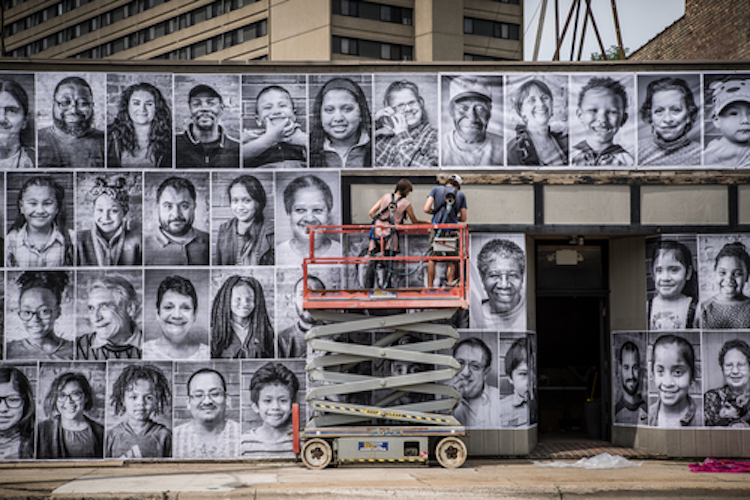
{"points": [[384, 432]]}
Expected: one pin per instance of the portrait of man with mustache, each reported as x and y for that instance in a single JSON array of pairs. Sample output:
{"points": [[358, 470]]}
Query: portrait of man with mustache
{"points": [[72, 141]]}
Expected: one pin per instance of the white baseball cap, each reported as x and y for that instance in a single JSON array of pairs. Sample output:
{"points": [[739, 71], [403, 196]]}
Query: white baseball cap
{"points": [[457, 178]]}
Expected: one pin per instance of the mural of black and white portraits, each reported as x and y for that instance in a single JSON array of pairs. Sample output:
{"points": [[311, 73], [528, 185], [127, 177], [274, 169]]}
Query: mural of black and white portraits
{"points": [[139, 410], [274, 121], [672, 282], [603, 120], [669, 133], [723, 265], [629, 378], [406, 121], [726, 375], [675, 380], [109, 219], [536, 121], [17, 137], [726, 127], [207, 410], [302, 199], [498, 271], [340, 121], [242, 313], [269, 388], [139, 120], [41, 208], [242, 215], [70, 410], [472, 108], [39, 321], [177, 219], [71, 117], [109, 321], [176, 315], [207, 121]]}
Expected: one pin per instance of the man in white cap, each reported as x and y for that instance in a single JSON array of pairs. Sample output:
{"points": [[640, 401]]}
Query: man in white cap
{"points": [[447, 205], [469, 144]]}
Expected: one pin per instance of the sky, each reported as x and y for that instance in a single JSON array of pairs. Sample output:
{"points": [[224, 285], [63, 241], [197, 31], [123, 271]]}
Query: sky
{"points": [[640, 21]]}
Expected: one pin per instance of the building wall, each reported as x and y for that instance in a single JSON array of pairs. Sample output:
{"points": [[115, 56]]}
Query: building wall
{"points": [[716, 30]]}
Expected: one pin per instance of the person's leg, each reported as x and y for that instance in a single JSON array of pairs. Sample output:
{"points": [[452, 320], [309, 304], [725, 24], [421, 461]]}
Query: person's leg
{"points": [[450, 272], [430, 273]]}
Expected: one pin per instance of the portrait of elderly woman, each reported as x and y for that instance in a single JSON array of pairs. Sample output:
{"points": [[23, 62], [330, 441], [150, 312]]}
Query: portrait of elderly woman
{"points": [[404, 136], [501, 265], [140, 136], [40, 296], [111, 238], [71, 429], [16, 125], [541, 132], [729, 405]]}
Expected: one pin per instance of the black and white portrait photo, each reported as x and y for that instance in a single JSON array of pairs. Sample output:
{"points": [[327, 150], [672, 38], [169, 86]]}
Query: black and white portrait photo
{"points": [[516, 380], [109, 321], [726, 120], [139, 120], [304, 199], [109, 219], [176, 314], [536, 121], [139, 410], [477, 380], [293, 320], [723, 266], [17, 138], [242, 313], [726, 379], [629, 376], [207, 409], [243, 216], [18, 383], [669, 131], [472, 112], [70, 410], [498, 270], [177, 219], [207, 121], [39, 319], [269, 388], [340, 121], [41, 210], [71, 117], [671, 282], [274, 121], [675, 380], [406, 120], [603, 120]]}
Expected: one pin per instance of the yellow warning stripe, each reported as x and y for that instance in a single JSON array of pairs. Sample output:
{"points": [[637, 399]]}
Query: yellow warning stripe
{"points": [[383, 460], [381, 413]]}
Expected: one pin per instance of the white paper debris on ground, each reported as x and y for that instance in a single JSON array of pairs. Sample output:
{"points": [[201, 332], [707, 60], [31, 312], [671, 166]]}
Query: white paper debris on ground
{"points": [[601, 461]]}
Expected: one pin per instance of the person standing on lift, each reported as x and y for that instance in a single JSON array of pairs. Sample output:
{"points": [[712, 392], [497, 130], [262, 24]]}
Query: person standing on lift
{"points": [[447, 205]]}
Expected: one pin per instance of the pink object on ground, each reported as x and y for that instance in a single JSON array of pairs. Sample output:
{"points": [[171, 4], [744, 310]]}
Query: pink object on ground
{"points": [[714, 465]]}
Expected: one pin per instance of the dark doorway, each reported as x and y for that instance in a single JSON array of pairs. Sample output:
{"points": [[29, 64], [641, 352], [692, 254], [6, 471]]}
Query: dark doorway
{"points": [[571, 340]]}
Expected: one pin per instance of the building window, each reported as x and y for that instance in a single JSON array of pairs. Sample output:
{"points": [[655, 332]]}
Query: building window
{"points": [[374, 11], [476, 57], [494, 29], [512, 2], [372, 49]]}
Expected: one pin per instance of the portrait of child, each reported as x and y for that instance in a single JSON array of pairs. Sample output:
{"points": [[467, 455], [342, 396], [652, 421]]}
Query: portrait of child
{"points": [[730, 116]]}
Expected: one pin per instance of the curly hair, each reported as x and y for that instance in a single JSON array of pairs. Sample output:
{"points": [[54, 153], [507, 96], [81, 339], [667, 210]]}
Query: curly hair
{"points": [[19, 382], [611, 85], [54, 281], [664, 84], [318, 135], [500, 248], [50, 400], [133, 373], [273, 373], [736, 250], [122, 130], [179, 285], [221, 315]]}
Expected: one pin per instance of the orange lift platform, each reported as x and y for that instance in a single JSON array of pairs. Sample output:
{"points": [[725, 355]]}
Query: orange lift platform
{"points": [[399, 417]]}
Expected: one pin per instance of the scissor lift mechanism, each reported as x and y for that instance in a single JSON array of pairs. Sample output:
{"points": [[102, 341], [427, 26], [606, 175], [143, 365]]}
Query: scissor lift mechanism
{"points": [[382, 432]]}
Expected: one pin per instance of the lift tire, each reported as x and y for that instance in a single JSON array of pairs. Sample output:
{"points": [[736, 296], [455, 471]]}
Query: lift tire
{"points": [[451, 452], [317, 454]]}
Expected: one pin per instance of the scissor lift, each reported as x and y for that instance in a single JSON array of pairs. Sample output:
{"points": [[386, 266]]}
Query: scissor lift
{"points": [[384, 432]]}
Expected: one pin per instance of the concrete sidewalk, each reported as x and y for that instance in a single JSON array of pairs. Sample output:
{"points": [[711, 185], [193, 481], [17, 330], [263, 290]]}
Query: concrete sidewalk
{"points": [[477, 479]]}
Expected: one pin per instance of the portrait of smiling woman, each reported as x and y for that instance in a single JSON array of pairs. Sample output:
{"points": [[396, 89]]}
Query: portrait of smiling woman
{"points": [[16, 125], [180, 332]]}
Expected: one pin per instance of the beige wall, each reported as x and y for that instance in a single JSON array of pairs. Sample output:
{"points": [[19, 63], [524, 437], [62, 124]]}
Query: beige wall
{"points": [[691, 205], [300, 30], [438, 30], [627, 283], [744, 204], [587, 205]]}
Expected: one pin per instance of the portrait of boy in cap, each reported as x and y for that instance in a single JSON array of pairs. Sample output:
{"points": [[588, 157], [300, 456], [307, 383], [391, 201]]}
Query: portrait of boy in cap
{"points": [[731, 117]]}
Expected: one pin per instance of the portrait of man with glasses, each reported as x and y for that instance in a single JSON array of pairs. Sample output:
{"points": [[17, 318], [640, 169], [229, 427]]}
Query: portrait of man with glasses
{"points": [[209, 432], [72, 141], [479, 406]]}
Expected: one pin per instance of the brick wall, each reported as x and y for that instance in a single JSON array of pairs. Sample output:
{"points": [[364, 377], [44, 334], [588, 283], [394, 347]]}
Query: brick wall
{"points": [[709, 30]]}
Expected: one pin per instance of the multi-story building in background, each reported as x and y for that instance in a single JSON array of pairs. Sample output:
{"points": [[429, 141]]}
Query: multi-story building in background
{"points": [[275, 30]]}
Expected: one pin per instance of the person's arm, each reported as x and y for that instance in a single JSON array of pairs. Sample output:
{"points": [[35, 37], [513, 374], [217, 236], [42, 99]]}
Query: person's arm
{"points": [[462, 215], [428, 205], [412, 217], [374, 210]]}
